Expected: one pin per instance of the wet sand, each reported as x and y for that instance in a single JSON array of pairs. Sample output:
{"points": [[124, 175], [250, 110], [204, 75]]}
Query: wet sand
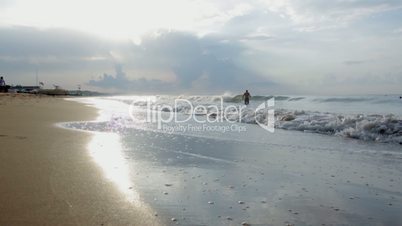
{"points": [[47, 176], [292, 178]]}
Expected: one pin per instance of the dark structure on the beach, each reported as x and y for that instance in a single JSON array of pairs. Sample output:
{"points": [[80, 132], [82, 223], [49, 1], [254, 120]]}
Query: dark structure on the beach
{"points": [[4, 89], [24, 89]]}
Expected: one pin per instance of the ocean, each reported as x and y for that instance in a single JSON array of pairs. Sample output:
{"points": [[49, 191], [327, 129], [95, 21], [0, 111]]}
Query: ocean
{"points": [[210, 160]]}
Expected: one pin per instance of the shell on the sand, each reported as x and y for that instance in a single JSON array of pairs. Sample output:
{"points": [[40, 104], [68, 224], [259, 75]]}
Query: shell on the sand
{"points": [[245, 224], [229, 218], [168, 185], [174, 219], [240, 202], [210, 202]]}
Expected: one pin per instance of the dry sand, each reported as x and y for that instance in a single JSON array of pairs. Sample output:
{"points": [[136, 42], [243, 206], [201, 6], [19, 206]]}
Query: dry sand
{"points": [[47, 176]]}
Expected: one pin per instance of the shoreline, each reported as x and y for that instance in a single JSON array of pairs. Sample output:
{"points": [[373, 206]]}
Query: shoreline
{"points": [[286, 177], [47, 174]]}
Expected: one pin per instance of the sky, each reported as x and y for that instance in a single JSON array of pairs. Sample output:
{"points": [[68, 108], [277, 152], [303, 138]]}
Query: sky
{"points": [[310, 47]]}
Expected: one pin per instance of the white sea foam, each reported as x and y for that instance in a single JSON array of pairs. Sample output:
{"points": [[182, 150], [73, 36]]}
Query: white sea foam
{"points": [[379, 118]]}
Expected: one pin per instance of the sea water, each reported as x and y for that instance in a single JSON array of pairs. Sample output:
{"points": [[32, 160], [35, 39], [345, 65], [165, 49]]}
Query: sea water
{"points": [[330, 160]]}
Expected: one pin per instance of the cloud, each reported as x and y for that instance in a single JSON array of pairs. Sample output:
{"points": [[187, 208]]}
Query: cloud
{"points": [[191, 63], [120, 82], [354, 62], [232, 46], [364, 81], [24, 48], [5, 3], [198, 64], [316, 14], [21, 41], [61, 56], [257, 37], [397, 31]]}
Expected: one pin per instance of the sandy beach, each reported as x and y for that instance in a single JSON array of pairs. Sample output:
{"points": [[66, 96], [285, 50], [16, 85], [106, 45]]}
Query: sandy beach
{"points": [[47, 176]]}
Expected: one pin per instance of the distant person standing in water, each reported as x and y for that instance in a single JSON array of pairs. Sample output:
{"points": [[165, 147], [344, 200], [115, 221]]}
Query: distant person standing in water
{"points": [[246, 97], [2, 85]]}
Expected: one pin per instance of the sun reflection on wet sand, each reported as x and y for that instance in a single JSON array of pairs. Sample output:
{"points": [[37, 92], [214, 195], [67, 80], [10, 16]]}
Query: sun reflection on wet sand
{"points": [[106, 150]]}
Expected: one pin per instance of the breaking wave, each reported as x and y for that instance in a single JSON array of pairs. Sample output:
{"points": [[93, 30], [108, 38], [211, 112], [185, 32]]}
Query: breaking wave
{"points": [[343, 99], [380, 128], [367, 126], [239, 98]]}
